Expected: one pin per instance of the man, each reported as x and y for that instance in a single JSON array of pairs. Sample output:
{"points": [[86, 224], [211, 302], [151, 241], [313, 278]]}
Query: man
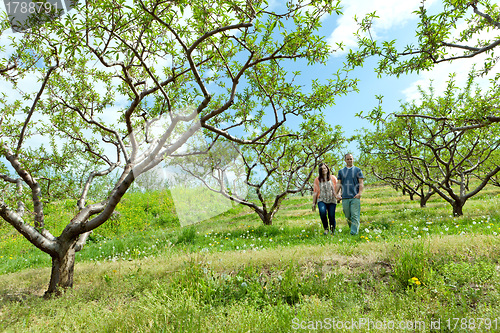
{"points": [[350, 180]]}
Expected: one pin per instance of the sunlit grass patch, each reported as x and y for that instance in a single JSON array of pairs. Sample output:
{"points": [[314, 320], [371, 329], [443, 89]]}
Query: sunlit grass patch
{"points": [[183, 291], [241, 230], [230, 269]]}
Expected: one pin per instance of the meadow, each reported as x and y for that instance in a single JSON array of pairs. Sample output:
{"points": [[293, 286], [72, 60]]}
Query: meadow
{"points": [[409, 269]]}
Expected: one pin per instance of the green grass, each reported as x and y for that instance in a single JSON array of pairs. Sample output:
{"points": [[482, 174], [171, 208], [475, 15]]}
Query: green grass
{"points": [[145, 273]]}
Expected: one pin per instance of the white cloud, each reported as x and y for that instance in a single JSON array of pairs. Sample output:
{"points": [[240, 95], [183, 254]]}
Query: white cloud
{"points": [[440, 74], [392, 13], [394, 21]]}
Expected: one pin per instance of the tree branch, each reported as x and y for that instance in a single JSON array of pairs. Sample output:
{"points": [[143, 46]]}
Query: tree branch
{"points": [[31, 182], [32, 109]]}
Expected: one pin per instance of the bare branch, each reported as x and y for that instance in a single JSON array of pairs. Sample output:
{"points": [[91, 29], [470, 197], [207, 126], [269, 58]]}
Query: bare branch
{"points": [[86, 187], [421, 116], [485, 16], [488, 120], [32, 109], [7, 68], [31, 182], [45, 244]]}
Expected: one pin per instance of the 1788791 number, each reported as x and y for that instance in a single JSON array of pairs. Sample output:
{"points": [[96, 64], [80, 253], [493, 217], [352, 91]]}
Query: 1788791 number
{"points": [[15, 7]]}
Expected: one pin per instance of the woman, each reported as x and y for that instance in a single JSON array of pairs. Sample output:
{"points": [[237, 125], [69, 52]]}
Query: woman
{"points": [[324, 195]]}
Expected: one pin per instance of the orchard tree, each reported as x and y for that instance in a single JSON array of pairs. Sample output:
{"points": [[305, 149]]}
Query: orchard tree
{"points": [[269, 172], [91, 86], [462, 29], [388, 166], [441, 154]]}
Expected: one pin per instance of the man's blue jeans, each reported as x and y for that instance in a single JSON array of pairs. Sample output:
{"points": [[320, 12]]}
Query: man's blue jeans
{"points": [[352, 211], [324, 210]]}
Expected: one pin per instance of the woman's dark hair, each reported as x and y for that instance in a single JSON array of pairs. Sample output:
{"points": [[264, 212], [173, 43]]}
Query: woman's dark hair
{"points": [[321, 174]]}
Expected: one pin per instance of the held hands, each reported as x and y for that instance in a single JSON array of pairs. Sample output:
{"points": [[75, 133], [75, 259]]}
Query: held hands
{"points": [[314, 207], [357, 196]]}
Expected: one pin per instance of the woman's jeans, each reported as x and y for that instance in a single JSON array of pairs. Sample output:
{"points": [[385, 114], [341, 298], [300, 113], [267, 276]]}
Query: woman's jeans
{"points": [[327, 209]]}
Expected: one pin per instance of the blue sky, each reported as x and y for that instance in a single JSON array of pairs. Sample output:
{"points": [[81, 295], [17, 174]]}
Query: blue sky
{"points": [[396, 21]]}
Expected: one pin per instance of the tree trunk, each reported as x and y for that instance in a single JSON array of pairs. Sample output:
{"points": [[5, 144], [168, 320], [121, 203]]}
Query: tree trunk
{"points": [[411, 195], [266, 217], [458, 208], [268, 221], [424, 198], [62, 272]]}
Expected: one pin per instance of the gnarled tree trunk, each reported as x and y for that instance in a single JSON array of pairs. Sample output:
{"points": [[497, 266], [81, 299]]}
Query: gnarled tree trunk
{"points": [[423, 200], [63, 265], [458, 208], [265, 216], [424, 197]]}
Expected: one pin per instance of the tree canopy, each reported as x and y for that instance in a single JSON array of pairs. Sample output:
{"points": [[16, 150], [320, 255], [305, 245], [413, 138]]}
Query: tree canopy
{"points": [[109, 70], [454, 160], [459, 29]]}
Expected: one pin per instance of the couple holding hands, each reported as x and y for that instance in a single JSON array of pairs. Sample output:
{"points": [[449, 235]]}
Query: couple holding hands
{"points": [[328, 190]]}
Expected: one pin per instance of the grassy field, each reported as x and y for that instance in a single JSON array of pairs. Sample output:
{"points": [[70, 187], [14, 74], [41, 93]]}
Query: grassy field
{"points": [[409, 269]]}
